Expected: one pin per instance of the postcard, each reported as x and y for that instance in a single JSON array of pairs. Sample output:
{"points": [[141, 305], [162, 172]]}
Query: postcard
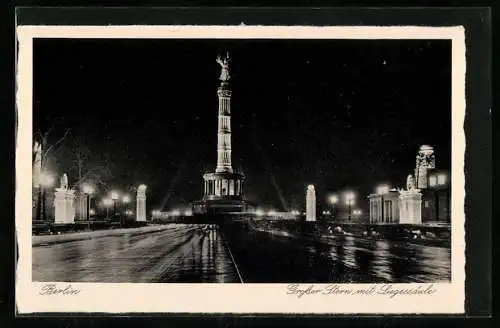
{"points": [[240, 169]]}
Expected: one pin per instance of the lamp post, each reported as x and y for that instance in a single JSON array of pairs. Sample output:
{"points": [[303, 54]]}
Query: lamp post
{"points": [[333, 199], [107, 203], [87, 191], [114, 197], [125, 200], [350, 197], [46, 181]]}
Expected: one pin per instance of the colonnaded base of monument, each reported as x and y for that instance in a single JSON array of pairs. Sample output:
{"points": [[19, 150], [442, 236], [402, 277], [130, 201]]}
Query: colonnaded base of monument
{"points": [[220, 209]]}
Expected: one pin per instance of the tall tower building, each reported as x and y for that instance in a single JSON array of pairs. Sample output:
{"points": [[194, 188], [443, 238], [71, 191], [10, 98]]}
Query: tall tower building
{"points": [[425, 161], [223, 189], [224, 126], [310, 204]]}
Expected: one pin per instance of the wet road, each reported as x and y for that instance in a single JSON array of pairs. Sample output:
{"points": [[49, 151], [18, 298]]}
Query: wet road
{"points": [[181, 253], [335, 259], [190, 253]]}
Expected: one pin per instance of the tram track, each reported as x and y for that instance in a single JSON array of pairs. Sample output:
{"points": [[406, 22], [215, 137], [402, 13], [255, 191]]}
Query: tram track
{"points": [[231, 256]]}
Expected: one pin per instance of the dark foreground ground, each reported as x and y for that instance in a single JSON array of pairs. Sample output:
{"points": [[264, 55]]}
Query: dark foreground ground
{"points": [[195, 253]]}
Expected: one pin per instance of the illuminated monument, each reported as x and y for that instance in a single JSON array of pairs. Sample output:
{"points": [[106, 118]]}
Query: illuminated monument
{"points": [[425, 161], [223, 189], [310, 204]]}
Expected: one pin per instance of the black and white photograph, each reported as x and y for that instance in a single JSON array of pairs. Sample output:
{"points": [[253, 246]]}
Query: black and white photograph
{"points": [[242, 161]]}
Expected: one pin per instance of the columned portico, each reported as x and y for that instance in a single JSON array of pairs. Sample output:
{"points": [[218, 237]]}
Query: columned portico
{"points": [[223, 184]]}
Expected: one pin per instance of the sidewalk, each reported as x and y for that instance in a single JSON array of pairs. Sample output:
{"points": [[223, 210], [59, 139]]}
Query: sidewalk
{"points": [[75, 236]]}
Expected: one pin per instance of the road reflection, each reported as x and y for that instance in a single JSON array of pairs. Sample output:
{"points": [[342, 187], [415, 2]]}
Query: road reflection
{"points": [[198, 254], [337, 259], [182, 253]]}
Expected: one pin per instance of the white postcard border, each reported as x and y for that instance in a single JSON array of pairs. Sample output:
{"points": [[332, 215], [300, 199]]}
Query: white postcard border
{"points": [[233, 298]]}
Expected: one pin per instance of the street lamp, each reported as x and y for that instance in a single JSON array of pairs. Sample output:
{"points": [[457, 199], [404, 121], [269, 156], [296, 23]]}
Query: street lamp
{"points": [[87, 191], [126, 200], [114, 197], [333, 199], [350, 197], [107, 202], [46, 181]]}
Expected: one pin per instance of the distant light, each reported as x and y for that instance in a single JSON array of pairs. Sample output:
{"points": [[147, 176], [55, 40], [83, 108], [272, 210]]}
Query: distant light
{"points": [[333, 199], [188, 213], [357, 212], [271, 213], [107, 202], [46, 180], [87, 189], [114, 195], [92, 212], [259, 212], [176, 213], [350, 196], [383, 189], [295, 212], [126, 199]]}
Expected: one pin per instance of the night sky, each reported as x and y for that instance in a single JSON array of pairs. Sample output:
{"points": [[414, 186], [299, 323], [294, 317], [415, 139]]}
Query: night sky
{"points": [[338, 114]]}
